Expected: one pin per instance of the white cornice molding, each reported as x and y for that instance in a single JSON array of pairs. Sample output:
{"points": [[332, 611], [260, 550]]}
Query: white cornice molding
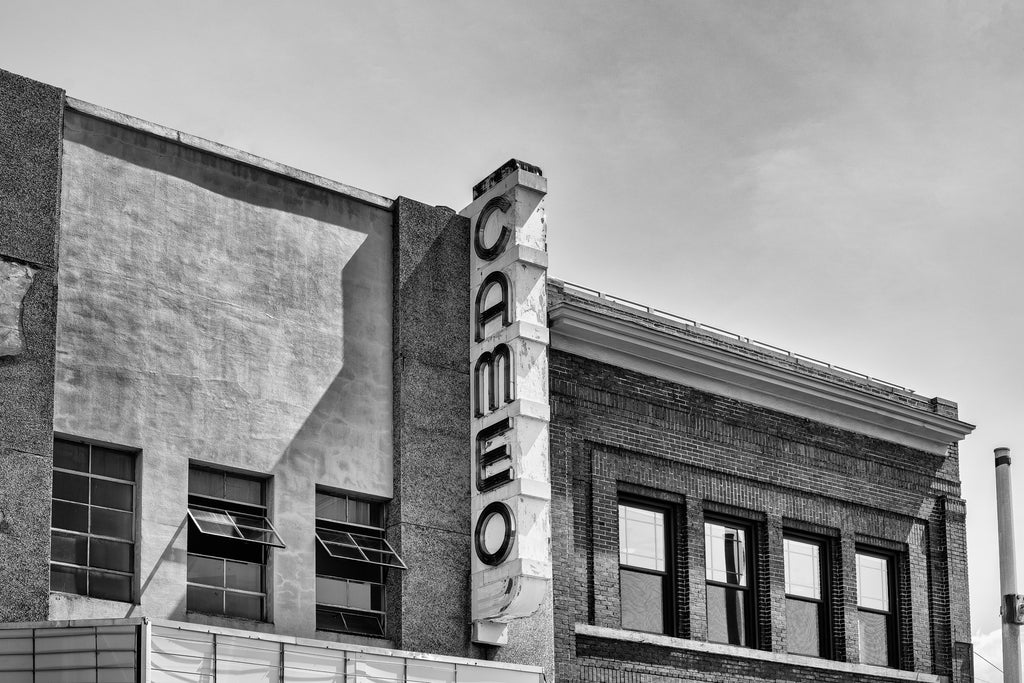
{"points": [[701, 364]]}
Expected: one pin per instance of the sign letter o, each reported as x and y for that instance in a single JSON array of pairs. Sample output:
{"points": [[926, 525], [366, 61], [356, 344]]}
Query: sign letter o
{"points": [[495, 533], [485, 252]]}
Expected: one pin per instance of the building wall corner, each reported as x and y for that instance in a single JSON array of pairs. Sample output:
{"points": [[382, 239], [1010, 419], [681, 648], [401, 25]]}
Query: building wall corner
{"points": [[428, 605], [31, 121]]}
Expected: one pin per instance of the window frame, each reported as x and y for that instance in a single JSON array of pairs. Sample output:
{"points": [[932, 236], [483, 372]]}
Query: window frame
{"points": [[238, 549], [231, 520], [332, 541], [88, 534], [749, 592], [668, 601], [892, 615], [345, 552], [826, 646]]}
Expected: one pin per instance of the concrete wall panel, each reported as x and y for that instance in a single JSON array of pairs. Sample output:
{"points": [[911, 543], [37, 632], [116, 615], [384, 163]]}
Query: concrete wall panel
{"points": [[30, 153], [25, 535], [30, 135], [429, 604]]}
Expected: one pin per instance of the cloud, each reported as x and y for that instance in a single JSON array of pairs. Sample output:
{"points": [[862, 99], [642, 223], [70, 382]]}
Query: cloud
{"points": [[988, 646]]}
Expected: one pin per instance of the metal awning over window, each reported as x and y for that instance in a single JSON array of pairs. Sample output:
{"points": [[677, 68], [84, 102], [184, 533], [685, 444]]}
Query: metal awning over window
{"points": [[345, 545], [236, 525]]}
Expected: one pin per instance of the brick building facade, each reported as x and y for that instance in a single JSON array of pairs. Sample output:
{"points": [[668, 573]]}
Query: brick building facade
{"points": [[253, 417], [688, 438]]}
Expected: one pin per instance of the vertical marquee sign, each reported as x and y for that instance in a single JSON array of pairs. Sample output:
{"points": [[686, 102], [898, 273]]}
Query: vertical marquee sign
{"points": [[511, 522]]}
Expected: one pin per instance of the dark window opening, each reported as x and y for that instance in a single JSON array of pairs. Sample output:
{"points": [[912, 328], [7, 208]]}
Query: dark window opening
{"points": [[808, 629], [729, 583], [352, 561], [876, 608], [92, 528], [228, 544], [645, 602]]}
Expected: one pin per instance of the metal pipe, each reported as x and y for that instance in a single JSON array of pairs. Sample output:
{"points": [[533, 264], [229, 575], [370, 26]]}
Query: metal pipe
{"points": [[1007, 566]]}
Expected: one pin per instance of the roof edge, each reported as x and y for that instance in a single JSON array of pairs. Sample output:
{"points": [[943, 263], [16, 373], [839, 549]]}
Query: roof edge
{"points": [[226, 152], [704, 365]]}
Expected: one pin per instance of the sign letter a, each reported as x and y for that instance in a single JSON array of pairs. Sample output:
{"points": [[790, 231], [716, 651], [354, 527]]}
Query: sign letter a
{"points": [[501, 308]]}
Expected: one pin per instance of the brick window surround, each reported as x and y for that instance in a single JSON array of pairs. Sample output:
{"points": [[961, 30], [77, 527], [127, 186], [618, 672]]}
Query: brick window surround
{"points": [[618, 431], [731, 587], [807, 574], [645, 550], [877, 607]]}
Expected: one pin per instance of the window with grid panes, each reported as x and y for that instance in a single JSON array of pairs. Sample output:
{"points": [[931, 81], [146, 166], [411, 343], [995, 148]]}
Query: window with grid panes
{"points": [[807, 627], [876, 608], [92, 528], [729, 583], [229, 539], [352, 561], [644, 591]]}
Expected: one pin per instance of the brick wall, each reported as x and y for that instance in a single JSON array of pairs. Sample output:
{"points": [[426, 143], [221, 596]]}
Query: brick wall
{"points": [[609, 661], [619, 432]]}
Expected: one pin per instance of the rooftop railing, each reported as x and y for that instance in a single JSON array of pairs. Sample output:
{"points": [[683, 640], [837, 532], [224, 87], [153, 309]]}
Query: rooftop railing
{"points": [[688, 322]]}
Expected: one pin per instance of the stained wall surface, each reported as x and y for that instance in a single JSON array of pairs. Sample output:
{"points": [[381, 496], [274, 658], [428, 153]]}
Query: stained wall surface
{"points": [[214, 312]]}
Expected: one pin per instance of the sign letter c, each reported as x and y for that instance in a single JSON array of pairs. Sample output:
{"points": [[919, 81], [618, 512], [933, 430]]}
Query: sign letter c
{"points": [[491, 252]]}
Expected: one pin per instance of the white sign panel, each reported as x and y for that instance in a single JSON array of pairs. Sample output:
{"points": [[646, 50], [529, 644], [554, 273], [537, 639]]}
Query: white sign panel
{"points": [[509, 414]]}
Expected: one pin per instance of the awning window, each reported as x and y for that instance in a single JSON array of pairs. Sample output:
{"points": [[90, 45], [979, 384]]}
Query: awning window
{"points": [[228, 524], [345, 545]]}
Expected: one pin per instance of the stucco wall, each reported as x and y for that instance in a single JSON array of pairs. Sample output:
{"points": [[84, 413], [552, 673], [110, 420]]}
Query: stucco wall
{"points": [[212, 311]]}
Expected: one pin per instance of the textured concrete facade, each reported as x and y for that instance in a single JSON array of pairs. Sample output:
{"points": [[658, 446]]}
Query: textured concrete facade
{"points": [[30, 157], [430, 515], [217, 313]]}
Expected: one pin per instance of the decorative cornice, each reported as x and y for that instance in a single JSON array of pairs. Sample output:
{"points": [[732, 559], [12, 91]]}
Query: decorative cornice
{"points": [[706, 363]]}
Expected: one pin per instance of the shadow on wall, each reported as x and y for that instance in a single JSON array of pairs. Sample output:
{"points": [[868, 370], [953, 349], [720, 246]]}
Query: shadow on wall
{"points": [[228, 178], [325, 419], [345, 441], [169, 554]]}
